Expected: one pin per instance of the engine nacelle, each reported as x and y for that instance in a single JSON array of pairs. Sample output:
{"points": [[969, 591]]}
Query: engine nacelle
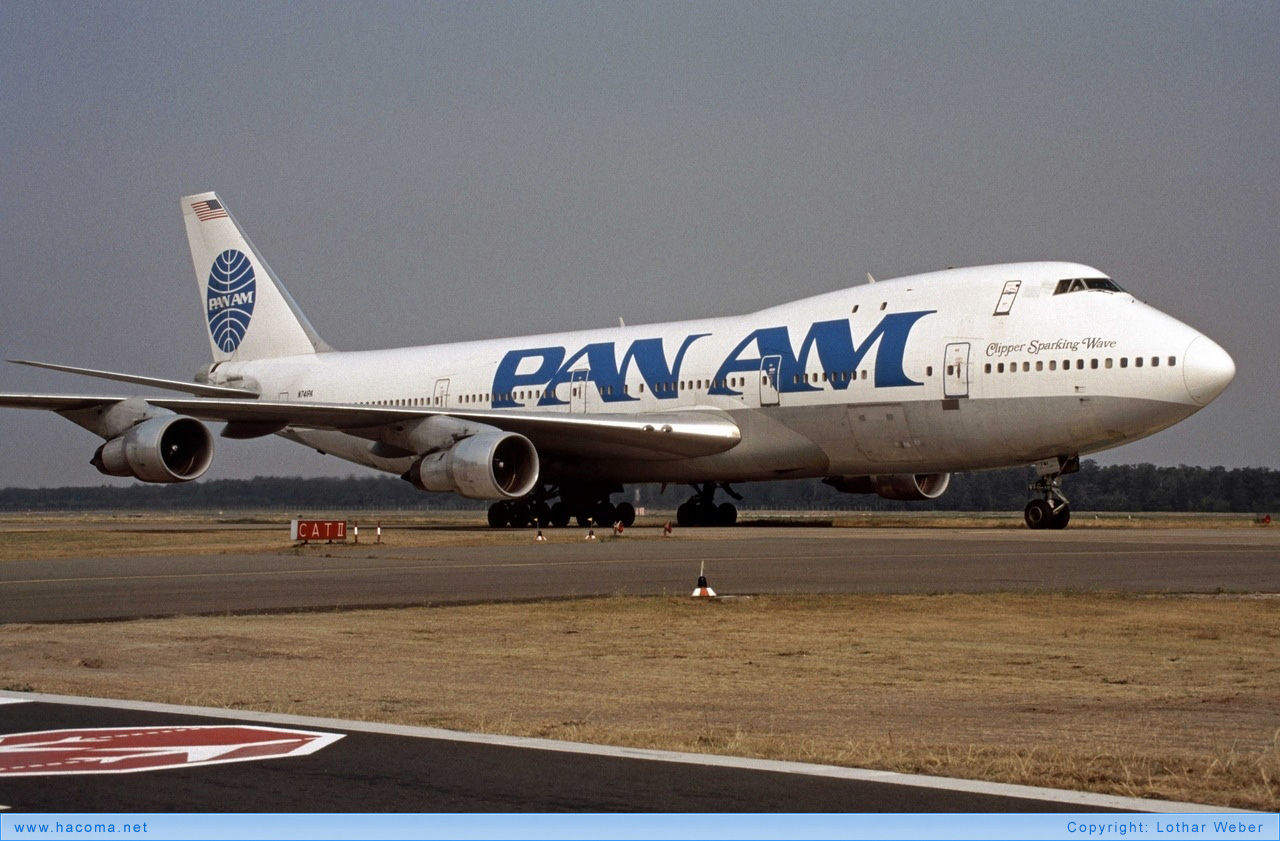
{"points": [[162, 449], [487, 465], [912, 487]]}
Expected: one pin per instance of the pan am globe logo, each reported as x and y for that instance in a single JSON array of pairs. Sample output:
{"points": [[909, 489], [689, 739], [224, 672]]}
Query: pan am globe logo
{"points": [[230, 299]]}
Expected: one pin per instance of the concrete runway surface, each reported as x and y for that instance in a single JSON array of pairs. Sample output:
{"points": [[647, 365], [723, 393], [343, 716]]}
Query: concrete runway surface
{"points": [[738, 561]]}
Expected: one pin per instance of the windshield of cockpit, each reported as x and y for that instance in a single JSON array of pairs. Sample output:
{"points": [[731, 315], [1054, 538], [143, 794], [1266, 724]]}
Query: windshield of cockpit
{"points": [[1084, 284]]}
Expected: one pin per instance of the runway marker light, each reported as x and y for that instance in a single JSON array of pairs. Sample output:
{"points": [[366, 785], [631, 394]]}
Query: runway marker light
{"points": [[540, 538], [702, 591]]}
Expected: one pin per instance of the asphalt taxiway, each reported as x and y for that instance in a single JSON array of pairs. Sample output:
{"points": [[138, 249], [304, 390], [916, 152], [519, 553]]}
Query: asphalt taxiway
{"points": [[387, 768], [737, 561]]}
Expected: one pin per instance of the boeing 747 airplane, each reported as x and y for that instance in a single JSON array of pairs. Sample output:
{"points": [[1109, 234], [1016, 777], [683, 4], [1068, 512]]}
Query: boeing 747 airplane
{"points": [[885, 388]]}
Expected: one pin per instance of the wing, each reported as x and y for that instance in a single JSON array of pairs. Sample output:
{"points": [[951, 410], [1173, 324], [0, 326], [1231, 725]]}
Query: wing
{"points": [[199, 389], [655, 436]]}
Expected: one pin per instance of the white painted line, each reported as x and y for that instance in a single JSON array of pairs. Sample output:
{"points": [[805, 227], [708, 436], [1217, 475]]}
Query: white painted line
{"points": [[4, 701], [1086, 801]]}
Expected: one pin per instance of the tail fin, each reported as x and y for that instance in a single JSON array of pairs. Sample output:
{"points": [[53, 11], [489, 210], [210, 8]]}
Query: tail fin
{"points": [[249, 312]]}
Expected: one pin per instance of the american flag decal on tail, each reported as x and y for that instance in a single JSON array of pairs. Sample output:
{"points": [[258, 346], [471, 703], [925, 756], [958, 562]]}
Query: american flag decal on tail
{"points": [[206, 210]]}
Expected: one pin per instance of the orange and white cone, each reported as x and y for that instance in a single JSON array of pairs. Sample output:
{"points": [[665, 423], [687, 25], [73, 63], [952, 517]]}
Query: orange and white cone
{"points": [[702, 591]]}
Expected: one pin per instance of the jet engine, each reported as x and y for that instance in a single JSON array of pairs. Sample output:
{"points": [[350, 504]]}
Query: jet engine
{"points": [[913, 487], [487, 465], [168, 448]]}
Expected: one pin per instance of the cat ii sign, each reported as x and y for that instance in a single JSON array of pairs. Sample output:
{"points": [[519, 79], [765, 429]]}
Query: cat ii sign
{"points": [[329, 530]]}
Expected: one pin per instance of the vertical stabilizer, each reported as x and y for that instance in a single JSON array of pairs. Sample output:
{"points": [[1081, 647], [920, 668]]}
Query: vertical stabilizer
{"points": [[249, 313]]}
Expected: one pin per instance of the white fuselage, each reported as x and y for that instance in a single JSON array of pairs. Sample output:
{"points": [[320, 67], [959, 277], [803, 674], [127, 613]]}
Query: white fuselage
{"points": [[954, 370]]}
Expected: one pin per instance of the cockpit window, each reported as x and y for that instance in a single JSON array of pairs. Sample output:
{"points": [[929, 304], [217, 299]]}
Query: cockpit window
{"points": [[1081, 284]]}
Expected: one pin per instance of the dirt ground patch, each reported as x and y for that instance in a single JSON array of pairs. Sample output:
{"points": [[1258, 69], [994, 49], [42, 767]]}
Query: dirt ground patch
{"points": [[1172, 697]]}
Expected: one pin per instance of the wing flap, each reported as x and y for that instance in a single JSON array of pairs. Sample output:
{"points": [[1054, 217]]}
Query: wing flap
{"points": [[657, 436], [55, 402]]}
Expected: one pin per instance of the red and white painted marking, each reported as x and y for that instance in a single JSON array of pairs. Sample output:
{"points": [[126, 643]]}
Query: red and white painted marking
{"points": [[121, 750]]}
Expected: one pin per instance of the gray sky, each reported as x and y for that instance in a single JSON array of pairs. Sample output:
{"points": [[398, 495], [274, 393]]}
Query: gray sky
{"points": [[422, 172]]}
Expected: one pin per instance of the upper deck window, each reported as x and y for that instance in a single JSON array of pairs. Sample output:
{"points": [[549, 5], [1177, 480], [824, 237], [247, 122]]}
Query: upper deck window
{"points": [[1082, 284]]}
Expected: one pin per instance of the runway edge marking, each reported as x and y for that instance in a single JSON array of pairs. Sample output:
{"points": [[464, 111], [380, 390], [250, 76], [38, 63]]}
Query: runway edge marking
{"points": [[1085, 800]]}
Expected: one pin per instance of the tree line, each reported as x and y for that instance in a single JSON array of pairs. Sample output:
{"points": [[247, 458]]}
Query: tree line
{"points": [[1135, 487]]}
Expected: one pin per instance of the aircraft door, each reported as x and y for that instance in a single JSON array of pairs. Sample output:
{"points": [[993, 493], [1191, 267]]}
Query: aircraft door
{"points": [[1007, 295], [442, 393], [769, 368], [579, 382], [956, 365]]}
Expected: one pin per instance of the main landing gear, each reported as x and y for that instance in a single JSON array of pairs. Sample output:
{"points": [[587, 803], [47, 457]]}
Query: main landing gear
{"points": [[701, 509], [1053, 510], [587, 507]]}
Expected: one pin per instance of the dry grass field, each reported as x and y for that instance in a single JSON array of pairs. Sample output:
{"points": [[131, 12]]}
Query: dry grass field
{"points": [[1172, 697]]}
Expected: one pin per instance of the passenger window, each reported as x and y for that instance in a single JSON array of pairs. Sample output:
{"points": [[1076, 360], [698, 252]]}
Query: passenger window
{"points": [[1108, 362], [1173, 360], [1093, 363], [1155, 362], [1000, 368], [1124, 362], [1039, 365], [1053, 364], [987, 369], [1080, 365], [1026, 366]]}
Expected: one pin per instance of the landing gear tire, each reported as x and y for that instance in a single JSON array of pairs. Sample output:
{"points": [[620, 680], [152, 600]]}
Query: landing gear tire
{"points": [[560, 515], [605, 514], [1052, 510], [498, 515], [696, 513], [1039, 514], [626, 513]]}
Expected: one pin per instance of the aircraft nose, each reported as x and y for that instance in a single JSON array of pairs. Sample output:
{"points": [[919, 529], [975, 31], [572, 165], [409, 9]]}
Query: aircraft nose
{"points": [[1207, 369]]}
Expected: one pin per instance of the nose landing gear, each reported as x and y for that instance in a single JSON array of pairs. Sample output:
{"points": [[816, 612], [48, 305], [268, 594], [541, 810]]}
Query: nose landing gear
{"points": [[1053, 510]]}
